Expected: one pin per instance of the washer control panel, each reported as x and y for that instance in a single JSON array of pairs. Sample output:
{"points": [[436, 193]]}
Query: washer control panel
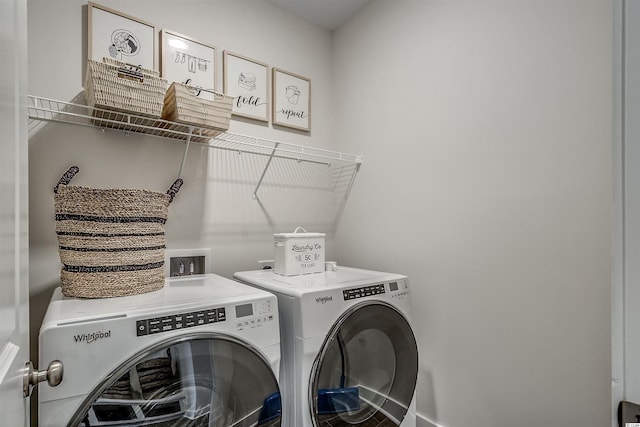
{"points": [[254, 314], [399, 289], [156, 325], [363, 291]]}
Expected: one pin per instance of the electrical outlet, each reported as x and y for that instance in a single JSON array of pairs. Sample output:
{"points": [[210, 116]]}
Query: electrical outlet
{"points": [[265, 264]]}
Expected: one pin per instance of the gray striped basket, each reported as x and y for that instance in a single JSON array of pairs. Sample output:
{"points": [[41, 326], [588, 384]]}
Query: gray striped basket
{"points": [[111, 241]]}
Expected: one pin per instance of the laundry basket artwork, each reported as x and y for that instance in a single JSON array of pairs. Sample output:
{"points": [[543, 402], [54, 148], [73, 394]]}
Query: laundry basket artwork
{"points": [[111, 241]]}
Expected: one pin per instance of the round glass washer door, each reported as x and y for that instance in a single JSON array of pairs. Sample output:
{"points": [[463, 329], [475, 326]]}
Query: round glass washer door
{"points": [[366, 370], [202, 379]]}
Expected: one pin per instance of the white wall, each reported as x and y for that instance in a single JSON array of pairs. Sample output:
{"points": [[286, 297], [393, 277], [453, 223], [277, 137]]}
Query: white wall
{"points": [[487, 134]]}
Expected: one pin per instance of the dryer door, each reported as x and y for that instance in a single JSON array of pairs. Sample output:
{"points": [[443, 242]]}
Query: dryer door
{"points": [[366, 370], [203, 379]]}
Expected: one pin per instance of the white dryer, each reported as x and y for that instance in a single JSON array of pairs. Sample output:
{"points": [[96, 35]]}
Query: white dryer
{"points": [[203, 350], [349, 355]]}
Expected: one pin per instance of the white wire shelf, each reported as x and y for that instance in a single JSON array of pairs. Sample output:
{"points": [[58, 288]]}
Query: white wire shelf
{"points": [[50, 110]]}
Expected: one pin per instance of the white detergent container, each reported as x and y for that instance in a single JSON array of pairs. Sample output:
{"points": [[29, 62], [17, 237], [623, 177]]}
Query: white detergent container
{"points": [[299, 252]]}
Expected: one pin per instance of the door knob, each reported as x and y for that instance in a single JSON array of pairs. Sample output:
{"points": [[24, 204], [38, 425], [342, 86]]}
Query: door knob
{"points": [[31, 378]]}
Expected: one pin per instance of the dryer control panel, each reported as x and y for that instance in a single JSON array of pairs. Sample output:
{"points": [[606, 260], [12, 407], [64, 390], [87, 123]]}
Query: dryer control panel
{"points": [[363, 291], [252, 315], [173, 322], [396, 289], [399, 289]]}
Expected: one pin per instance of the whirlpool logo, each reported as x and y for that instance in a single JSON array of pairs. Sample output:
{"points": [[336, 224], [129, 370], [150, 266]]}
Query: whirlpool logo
{"points": [[323, 300], [94, 336]]}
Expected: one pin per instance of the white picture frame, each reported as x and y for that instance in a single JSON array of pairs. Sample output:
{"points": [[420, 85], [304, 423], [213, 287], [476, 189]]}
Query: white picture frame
{"points": [[291, 100], [247, 81], [113, 34], [186, 60]]}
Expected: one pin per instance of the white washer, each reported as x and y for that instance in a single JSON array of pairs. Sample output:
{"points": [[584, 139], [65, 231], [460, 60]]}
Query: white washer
{"points": [[349, 355], [203, 350]]}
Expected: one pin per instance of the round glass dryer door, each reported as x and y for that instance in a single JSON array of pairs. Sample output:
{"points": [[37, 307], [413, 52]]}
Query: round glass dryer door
{"points": [[366, 371], [202, 379]]}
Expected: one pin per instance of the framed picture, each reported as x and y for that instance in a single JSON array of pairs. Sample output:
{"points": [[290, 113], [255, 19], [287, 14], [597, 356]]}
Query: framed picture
{"points": [[247, 81], [185, 60], [113, 34], [291, 100]]}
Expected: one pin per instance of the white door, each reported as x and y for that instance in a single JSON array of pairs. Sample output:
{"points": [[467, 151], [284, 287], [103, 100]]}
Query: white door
{"points": [[14, 226], [626, 273]]}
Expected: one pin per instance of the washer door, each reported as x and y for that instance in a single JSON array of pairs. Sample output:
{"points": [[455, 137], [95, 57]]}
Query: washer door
{"points": [[203, 379], [366, 370]]}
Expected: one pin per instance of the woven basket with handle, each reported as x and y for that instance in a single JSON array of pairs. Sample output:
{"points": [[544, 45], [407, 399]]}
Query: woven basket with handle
{"points": [[123, 88], [111, 241]]}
